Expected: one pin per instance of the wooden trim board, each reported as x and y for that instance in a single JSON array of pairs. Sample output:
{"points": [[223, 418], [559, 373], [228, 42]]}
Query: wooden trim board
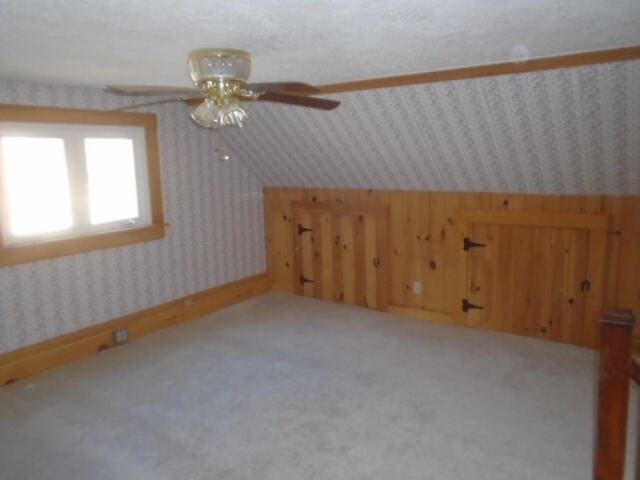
{"points": [[589, 221], [504, 68], [338, 208], [36, 358]]}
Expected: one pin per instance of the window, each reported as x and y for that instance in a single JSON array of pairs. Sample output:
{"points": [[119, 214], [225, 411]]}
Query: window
{"points": [[76, 180]]}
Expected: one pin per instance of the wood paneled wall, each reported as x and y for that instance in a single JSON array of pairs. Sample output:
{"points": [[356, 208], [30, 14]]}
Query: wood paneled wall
{"points": [[425, 245]]}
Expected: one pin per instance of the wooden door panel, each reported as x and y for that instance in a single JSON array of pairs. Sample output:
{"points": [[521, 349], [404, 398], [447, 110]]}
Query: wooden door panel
{"points": [[573, 301], [347, 259], [536, 280], [359, 261], [343, 255], [383, 269], [337, 248], [326, 256], [315, 237], [370, 262], [306, 247]]}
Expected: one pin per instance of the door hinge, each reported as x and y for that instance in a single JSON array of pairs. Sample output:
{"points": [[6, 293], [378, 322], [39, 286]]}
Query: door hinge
{"points": [[468, 244], [376, 262], [302, 229], [304, 280], [467, 305]]}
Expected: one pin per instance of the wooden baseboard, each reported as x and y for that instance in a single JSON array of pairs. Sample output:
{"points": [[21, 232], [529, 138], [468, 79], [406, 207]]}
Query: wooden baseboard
{"points": [[67, 348], [420, 313]]}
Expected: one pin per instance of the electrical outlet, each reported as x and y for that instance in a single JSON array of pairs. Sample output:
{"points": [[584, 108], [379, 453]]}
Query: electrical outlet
{"points": [[417, 287], [120, 336]]}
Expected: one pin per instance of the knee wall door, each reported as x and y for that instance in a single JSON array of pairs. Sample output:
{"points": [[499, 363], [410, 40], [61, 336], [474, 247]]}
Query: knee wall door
{"points": [[538, 275], [341, 254]]}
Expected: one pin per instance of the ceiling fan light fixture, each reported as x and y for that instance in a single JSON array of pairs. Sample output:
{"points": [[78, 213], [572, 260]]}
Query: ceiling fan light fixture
{"points": [[210, 115], [219, 64]]}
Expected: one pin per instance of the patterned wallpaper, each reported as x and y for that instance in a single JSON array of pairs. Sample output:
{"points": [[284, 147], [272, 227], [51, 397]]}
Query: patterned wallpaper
{"points": [[215, 234], [560, 131]]}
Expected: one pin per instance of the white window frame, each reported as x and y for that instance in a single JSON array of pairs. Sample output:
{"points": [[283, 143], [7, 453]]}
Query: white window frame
{"points": [[74, 137], [74, 125]]}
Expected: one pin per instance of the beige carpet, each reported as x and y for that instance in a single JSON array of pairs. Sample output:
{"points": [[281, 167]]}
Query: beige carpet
{"points": [[282, 387]]}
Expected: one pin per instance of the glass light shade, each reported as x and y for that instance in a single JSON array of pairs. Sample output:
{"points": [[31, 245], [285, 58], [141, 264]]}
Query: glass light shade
{"points": [[215, 63], [210, 115]]}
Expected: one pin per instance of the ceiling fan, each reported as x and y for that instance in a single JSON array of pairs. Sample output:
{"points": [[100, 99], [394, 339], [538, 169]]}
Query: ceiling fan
{"points": [[220, 78]]}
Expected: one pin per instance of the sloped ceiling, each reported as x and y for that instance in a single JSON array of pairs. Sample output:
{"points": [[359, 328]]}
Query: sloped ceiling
{"points": [[573, 130], [97, 42]]}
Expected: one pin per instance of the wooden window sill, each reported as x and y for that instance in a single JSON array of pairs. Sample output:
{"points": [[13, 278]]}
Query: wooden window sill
{"points": [[14, 255]]}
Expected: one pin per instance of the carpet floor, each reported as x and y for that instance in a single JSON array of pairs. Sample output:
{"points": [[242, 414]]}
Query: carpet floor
{"points": [[284, 388]]}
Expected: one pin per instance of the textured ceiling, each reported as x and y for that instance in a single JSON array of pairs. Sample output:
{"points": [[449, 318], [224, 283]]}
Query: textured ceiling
{"points": [[96, 42], [573, 130]]}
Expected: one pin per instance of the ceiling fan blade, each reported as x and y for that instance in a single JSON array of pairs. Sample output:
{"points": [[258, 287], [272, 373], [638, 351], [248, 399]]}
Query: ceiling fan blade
{"points": [[289, 87], [158, 102], [321, 103], [145, 90]]}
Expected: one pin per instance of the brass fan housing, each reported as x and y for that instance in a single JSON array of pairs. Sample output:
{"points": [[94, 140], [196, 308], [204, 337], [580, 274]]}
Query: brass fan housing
{"points": [[222, 73]]}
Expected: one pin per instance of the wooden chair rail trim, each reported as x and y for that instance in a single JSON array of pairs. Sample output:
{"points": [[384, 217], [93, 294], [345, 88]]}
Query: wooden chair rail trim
{"points": [[558, 220], [342, 208], [504, 68], [33, 359]]}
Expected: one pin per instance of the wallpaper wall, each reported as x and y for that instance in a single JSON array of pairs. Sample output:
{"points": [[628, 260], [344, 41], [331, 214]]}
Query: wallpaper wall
{"points": [[215, 235], [560, 131]]}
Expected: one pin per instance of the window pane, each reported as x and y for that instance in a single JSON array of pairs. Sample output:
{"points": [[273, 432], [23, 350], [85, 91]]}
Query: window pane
{"points": [[112, 179], [37, 185]]}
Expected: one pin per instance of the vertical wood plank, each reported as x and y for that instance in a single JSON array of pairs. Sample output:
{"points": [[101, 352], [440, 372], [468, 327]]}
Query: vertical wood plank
{"points": [[348, 259], [306, 240], [557, 260], [480, 276], [269, 208], [326, 256], [338, 275], [439, 233], [371, 295], [520, 276], [411, 265], [359, 264], [453, 273], [594, 301], [383, 271], [502, 292], [316, 252], [398, 240], [297, 247], [573, 311], [539, 314]]}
